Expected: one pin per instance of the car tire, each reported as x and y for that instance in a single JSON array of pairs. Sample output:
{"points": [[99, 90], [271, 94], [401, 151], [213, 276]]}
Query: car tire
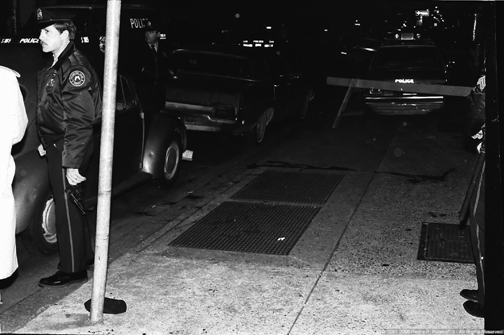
{"points": [[40, 237], [171, 161], [256, 135]]}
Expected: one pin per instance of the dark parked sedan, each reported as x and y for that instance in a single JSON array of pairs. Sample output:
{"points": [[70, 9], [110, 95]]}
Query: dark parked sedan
{"points": [[140, 154], [234, 90], [406, 61]]}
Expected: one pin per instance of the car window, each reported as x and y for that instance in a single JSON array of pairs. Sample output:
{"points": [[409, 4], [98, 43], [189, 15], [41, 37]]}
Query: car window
{"points": [[213, 64], [281, 65], [407, 58], [277, 66], [260, 70]]}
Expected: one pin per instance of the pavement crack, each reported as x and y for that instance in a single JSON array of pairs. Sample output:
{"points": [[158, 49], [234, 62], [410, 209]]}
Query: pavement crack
{"points": [[297, 166], [419, 178]]}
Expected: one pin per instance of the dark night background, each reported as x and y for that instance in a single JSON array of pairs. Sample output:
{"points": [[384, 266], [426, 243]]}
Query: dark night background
{"points": [[318, 28], [204, 17]]}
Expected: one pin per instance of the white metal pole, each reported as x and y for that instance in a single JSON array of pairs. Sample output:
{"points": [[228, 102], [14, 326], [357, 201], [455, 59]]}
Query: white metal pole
{"points": [[106, 155]]}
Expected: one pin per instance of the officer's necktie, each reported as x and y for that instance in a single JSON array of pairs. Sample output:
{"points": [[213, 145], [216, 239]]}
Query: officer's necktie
{"points": [[154, 52]]}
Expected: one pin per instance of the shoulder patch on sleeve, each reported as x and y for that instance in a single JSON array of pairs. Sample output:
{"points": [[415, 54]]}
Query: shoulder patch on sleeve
{"points": [[77, 78]]}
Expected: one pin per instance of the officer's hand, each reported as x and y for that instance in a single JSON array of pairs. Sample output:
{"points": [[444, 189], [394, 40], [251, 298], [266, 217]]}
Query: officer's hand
{"points": [[41, 150], [74, 177]]}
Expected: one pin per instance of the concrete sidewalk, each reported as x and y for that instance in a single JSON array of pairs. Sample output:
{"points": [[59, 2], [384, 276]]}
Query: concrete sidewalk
{"points": [[354, 270]]}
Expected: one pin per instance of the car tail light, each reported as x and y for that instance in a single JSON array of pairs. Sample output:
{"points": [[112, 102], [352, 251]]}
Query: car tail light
{"points": [[225, 112]]}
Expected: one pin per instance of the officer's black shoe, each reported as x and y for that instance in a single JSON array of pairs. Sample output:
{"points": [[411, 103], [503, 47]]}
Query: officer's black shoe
{"points": [[474, 309], [471, 295], [61, 278]]}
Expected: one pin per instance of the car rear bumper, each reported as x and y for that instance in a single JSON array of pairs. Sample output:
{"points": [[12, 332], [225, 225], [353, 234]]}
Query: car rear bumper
{"points": [[201, 118], [206, 123], [404, 106]]}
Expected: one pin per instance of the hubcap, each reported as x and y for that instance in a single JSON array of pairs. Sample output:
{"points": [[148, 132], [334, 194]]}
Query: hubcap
{"points": [[49, 222], [261, 128], [171, 160]]}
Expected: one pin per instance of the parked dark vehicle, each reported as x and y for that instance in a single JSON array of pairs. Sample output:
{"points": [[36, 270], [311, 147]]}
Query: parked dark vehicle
{"points": [[139, 155], [406, 61], [141, 152], [234, 90]]}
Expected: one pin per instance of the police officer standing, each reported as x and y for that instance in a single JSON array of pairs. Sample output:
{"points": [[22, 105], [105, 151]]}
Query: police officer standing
{"points": [[475, 211], [69, 102], [150, 68]]}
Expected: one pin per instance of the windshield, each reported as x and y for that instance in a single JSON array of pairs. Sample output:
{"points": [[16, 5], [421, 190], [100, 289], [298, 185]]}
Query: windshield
{"points": [[407, 58]]}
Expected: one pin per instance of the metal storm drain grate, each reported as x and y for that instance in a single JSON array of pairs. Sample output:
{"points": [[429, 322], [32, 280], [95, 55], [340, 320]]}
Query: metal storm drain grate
{"points": [[445, 242], [295, 187], [249, 227]]}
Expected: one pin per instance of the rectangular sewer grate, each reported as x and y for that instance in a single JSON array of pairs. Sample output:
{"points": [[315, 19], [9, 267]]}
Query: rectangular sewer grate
{"points": [[249, 227], [294, 187], [445, 242]]}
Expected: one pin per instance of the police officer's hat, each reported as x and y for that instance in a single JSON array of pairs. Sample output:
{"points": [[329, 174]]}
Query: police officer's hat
{"points": [[151, 26], [47, 17]]}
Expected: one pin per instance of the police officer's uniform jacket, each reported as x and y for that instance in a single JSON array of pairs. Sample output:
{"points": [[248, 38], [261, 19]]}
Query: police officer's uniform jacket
{"points": [[69, 102], [151, 66]]}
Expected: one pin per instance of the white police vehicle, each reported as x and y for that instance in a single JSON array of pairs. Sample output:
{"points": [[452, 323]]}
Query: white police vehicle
{"points": [[406, 58]]}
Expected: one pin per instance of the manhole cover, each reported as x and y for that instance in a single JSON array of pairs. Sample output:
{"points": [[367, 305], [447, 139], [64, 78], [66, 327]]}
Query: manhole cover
{"points": [[445, 242], [249, 227], [294, 187]]}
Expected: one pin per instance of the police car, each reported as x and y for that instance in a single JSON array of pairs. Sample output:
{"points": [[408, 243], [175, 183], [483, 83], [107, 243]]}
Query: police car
{"points": [[141, 152], [406, 58], [90, 21]]}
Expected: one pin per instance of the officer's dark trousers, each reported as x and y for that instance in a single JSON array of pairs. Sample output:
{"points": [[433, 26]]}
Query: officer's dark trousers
{"points": [[477, 228], [74, 239], [152, 98]]}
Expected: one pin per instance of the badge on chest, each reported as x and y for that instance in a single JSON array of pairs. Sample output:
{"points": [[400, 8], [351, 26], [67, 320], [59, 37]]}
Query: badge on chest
{"points": [[50, 82]]}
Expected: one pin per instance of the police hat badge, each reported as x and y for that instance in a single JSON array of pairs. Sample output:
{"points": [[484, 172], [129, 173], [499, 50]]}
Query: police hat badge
{"points": [[47, 17], [150, 26]]}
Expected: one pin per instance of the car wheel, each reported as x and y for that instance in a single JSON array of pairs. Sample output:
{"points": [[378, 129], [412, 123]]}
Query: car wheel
{"points": [[256, 135], [171, 161], [40, 237]]}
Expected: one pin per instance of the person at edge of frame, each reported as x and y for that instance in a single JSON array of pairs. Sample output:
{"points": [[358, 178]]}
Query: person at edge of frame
{"points": [[12, 130], [475, 212], [69, 103], [150, 70]]}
